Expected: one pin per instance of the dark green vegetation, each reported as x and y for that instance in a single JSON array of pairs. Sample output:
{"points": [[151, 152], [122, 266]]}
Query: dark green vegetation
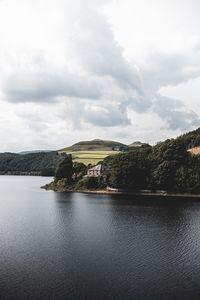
{"points": [[129, 170], [41, 163], [70, 175], [167, 166], [65, 169]]}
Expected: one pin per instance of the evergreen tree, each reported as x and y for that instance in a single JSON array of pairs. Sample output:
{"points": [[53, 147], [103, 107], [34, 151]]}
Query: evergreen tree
{"points": [[65, 169]]}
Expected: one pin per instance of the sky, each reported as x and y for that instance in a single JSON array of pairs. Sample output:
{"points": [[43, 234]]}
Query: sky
{"points": [[73, 70]]}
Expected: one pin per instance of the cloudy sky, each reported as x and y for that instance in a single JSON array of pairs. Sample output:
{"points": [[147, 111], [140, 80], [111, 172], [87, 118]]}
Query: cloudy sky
{"points": [[74, 70]]}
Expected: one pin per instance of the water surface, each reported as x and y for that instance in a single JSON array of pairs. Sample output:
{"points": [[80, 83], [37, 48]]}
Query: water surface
{"points": [[78, 246]]}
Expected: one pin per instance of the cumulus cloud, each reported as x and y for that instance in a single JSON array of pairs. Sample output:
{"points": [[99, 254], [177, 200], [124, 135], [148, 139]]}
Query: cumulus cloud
{"points": [[97, 51], [105, 116], [71, 64], [47, 86], [98, 67], [161, 68], [175, 114]]}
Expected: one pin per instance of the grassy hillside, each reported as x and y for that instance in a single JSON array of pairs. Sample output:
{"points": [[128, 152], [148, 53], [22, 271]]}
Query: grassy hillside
{"points": [[95, 145], [91, 157], [91, 152]]}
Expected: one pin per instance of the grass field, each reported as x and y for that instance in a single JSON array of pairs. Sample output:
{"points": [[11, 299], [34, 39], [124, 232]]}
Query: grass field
{"points": [[90, 157]]}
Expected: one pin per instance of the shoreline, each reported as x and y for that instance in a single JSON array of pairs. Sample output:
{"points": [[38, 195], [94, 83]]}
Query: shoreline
{"points": [[112, 192]]}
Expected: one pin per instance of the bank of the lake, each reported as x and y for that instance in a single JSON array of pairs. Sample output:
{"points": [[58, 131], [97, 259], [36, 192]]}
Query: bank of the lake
{"points": [[111, 191]]}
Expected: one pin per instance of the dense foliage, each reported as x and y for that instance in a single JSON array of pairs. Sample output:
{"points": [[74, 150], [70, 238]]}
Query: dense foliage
{"points": [[41, 163], [65, 169], [130, 170], [166, 166]]}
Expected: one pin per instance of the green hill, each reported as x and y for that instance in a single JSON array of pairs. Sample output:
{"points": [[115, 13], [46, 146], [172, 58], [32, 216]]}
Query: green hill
{"points": [[95, 145], [91, 152]]}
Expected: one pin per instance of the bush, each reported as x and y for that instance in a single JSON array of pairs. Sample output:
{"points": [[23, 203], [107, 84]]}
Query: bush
{"points": [[91, 182]]}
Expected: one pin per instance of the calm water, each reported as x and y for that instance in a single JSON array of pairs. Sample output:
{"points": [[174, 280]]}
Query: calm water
{"points": [[74, 246]]}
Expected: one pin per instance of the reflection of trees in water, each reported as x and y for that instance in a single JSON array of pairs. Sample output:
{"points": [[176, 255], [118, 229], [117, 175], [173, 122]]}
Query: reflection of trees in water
{"points": [[162, 241], [155, 240], [64, 210], [162, 211], [63, 197], [165, 223], [159, 222]]}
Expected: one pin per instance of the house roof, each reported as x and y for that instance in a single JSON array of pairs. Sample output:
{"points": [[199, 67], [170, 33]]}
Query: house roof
{"points": [[96, 168], [194, 150]]}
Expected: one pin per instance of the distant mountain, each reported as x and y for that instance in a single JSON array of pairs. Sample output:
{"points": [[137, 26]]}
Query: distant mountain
{"points": [[95, 145], [138, 144], [35, 151]]}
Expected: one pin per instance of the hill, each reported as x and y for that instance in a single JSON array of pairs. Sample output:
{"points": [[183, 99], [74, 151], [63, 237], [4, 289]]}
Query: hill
{"points": [[91, 152], [41, 163], [167, 167], [35, 151], [95, 145], [138, 144]]}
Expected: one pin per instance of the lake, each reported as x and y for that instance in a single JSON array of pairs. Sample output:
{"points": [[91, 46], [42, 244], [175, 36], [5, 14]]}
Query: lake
{"points": [[78, 246]]}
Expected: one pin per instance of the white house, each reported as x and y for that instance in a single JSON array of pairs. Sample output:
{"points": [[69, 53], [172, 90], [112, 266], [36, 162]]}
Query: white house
{"points": [[96, 171]]}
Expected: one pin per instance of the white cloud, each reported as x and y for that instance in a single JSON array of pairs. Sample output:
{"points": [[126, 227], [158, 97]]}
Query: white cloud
{"points": [[76, 69]]}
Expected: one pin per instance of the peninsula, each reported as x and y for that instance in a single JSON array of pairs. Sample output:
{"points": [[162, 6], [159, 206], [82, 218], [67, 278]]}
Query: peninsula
{"points": [[169, 168]]}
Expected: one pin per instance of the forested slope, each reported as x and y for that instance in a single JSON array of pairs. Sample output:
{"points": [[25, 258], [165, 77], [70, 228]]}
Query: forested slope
{"points": [[41, 163]]}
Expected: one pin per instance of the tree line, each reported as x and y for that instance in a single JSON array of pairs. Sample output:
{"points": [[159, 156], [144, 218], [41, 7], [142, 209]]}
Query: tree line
{"points": [[166, 166], [41, 163]]}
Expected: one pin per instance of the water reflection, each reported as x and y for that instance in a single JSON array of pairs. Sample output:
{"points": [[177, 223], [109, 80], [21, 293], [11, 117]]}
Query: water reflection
{"points": [[63, 197], [147, 241], [78, 246]]}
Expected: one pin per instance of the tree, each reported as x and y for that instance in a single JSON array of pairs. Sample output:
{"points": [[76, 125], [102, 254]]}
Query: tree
{"points": [[188, 176], [79, 168], [163, 177], [65, 169], [129, 170], [91, 182]]}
